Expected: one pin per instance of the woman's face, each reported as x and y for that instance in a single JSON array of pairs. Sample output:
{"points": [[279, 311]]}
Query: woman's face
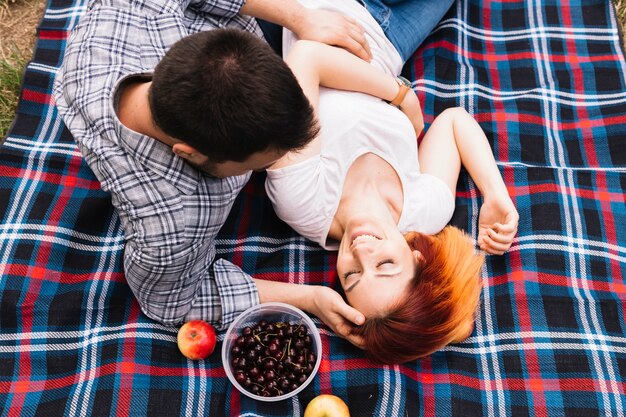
{"points": [[374, 264]]}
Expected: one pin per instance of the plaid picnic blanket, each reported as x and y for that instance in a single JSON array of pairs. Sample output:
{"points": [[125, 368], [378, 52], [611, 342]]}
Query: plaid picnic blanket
{"points": [[545, 79]]}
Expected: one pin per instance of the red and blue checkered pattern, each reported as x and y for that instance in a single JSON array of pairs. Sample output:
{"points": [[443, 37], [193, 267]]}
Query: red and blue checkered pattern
{"points": [[547, 82]]}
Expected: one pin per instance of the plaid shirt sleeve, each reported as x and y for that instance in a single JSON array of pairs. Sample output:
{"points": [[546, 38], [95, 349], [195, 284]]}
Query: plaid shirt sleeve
{"points": [[169, 257], [175, 285], [170, 213]]}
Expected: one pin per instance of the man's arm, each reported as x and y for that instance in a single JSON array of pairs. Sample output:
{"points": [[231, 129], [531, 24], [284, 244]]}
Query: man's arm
{"points": [[324, 302], [324, 26], [175, 286]]}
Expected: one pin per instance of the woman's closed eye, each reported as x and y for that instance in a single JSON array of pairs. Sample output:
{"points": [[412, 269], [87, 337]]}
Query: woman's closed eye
{"points": [[378, 265], [347, 274]]}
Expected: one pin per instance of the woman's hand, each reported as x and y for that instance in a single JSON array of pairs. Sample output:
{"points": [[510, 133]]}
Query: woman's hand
{"points": [[330, 307], [497, 224], [411, 107]]}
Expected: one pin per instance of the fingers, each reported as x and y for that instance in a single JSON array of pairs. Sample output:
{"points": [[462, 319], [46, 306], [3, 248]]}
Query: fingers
{"points": [[493, 247], [507, 228], [351, 314], [332, 28], [357, 341], [345, 330], [357, 48], [356, 41], [497, 247], [347, 318], [495, 243], [359, 37], [500, 237], [510, 225]]}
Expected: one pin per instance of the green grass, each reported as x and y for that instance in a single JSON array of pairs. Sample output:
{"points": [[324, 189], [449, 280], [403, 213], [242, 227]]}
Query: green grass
{"points": [[18, 19], [10, 81], [620, 8]]}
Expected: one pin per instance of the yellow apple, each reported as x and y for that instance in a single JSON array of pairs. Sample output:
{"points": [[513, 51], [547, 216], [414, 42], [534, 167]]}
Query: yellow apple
{"points": [[326, 405]]}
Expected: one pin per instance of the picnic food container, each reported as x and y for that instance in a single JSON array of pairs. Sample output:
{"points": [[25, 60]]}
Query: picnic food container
{"points": [[271, 312]]}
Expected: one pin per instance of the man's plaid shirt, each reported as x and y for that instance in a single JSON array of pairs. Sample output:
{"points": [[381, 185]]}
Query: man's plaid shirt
{"points": [[170, 212]]}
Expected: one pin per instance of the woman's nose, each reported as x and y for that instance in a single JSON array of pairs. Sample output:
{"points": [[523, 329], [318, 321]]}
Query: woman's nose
{"points": [[363, 251]]}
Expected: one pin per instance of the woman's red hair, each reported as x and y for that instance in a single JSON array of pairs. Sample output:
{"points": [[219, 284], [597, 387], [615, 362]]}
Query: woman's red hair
{"points": [[442, 296]]}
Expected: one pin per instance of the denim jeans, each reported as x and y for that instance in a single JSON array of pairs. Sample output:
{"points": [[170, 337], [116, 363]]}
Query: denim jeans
{"points": [[407, 22]]}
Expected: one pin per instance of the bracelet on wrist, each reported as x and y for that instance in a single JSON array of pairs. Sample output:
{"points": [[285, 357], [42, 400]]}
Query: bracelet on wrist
{"points": [[404, 86]]}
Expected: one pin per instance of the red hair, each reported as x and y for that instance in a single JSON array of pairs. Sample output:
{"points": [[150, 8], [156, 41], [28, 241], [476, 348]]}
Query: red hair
{"points": [[441, 297]]}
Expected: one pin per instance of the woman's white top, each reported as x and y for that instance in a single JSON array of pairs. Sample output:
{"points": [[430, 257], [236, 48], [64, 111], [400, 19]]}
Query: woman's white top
{"points": [[306, 195]]}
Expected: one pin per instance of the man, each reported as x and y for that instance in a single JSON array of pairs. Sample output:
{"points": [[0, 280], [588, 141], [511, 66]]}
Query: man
{"points": [[163, 135]]}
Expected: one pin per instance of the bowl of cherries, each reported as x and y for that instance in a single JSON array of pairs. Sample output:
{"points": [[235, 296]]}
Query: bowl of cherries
{"points": [[271, 351]]}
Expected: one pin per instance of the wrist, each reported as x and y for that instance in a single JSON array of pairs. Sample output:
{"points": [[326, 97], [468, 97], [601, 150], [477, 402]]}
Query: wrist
{"points": [[297, 18], [289, 14], [309, 295], [410, 100], [402, 87], [494, 190], [298, 295]]}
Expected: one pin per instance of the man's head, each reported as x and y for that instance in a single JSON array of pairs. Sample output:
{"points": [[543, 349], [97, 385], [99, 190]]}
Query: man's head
{"points": [[228, 96]]}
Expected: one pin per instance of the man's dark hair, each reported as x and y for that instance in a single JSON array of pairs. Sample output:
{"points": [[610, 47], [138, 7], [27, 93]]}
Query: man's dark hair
{"points": [[226, 93]]}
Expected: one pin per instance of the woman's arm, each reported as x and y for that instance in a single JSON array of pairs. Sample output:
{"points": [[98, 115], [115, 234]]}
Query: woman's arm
{"points": [[315, 64], [455, 138]]}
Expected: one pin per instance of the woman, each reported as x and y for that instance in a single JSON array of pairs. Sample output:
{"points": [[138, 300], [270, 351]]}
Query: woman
{"points": [[361, 186]]}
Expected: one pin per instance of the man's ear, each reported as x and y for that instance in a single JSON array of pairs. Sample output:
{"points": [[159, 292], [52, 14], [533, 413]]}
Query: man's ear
{"points": [[184, 151]]}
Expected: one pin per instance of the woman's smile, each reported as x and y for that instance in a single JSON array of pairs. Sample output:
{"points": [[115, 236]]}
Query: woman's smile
{"points": [[363, 238]]}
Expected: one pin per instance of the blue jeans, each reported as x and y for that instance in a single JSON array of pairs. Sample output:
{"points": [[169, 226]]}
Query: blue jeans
{"points": [[407, 22]]}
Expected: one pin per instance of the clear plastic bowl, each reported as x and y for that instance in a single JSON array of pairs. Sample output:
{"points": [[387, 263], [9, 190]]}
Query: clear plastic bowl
{"points": [[269, 312]]}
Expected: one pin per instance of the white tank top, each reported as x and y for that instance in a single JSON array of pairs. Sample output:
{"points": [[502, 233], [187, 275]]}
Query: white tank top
{"points": [[306, 195]]}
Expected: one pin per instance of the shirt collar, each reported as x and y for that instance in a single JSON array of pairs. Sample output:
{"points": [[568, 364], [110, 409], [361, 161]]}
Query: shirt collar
{"points": [[152, 153]]}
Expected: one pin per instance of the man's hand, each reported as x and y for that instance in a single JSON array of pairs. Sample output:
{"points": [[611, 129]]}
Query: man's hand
{"points": [[330, 307], [497, 225], [322, 301], [332, 28], [324, 26]]}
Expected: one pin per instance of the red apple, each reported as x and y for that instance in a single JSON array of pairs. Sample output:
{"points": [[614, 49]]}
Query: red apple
{"points": [[196, 339], [326, 405]]}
